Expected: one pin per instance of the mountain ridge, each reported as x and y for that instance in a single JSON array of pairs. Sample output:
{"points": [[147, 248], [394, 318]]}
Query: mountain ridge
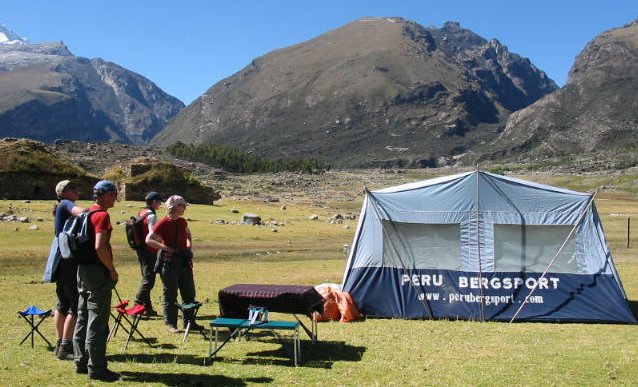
{"points": [[596, 111], [374, 92], [47, 93]]}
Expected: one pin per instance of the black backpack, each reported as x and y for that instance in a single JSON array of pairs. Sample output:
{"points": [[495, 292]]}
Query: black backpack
{"points": [[75, 240], [136, 231]]}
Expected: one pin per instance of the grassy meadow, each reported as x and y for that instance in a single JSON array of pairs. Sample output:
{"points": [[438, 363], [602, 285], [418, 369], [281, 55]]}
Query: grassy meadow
{"points": [[292, 249]]}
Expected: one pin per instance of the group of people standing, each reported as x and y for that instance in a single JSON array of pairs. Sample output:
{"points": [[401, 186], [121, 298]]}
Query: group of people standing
{"points": [[84, 289]]}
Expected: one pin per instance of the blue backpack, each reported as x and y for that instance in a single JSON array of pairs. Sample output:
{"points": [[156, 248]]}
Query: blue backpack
{"points": [[75, 239]]}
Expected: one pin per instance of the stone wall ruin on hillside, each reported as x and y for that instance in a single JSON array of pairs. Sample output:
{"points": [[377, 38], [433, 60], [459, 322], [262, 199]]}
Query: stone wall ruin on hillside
{"points": [[176, 181], [41, 187]]}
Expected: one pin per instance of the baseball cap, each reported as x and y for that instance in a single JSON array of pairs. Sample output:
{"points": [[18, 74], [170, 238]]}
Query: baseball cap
{"points": [[174, 200], [61, 186], [153, 196], [103, 187]]}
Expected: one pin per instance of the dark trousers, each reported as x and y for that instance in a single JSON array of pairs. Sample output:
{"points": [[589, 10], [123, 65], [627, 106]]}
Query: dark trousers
{"points": [[92, 327], [147, 263], [179, 275], [66, 287]]}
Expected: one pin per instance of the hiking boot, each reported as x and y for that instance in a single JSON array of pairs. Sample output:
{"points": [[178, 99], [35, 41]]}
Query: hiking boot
{"points": [[150, 312], [172, 329], [65, 352], [81, 369], [105, 376]]}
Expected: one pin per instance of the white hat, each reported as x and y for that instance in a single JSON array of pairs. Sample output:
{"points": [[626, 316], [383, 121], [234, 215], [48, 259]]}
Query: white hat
{"points": [[61, 186], [174, 200]]}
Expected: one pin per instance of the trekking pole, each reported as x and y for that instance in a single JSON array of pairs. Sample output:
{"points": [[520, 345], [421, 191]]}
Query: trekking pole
{"points": [[117, 294]]}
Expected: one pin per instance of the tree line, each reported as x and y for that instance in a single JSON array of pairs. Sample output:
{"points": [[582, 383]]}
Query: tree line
{"points": [[233, 160]]}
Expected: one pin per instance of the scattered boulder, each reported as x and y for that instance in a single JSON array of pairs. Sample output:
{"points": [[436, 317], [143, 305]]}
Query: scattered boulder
{"points": [[313, 217], [336, 219], [252, 219], [13, 218]]}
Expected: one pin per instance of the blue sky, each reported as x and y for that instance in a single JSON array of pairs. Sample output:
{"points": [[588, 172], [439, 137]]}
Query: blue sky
{"points": [[187, 46]]}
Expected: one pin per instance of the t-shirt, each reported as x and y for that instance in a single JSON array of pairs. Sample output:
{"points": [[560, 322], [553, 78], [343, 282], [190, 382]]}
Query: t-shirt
{"points": [[172, 231], [149, 221], [101, 220], [62, 213]]}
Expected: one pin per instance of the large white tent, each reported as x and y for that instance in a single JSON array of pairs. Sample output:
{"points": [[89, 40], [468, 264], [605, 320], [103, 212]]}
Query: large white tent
{"points": [[482, 246]]}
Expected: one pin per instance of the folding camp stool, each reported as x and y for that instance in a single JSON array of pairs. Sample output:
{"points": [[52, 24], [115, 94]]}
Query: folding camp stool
{"points": [[136, 312], [117, 318], [190, 308], [29, 316]]}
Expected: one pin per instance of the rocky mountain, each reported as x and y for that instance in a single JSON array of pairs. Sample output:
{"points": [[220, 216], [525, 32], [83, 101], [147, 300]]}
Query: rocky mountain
{"points": [[9, 37], [595, 112], [47, 93], [375, 92]]}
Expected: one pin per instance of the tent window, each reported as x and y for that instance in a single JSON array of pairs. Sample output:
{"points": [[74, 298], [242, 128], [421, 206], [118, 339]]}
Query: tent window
{"points": [[530, 248], [421, 246]]}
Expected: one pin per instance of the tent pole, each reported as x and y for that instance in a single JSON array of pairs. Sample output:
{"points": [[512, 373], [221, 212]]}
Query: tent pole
{"points": [[560, 250], [478, 241]]}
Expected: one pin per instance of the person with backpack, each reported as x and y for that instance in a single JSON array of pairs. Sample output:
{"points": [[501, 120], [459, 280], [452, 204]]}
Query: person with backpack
{"points": [[97, 277], [146, 255], [64, 272], [172, 236]]}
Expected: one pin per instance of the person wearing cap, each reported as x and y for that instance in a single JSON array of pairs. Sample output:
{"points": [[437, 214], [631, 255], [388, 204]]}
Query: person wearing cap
{"points": [[146, 256], [64, 272], [172, 236], [95, 283]]}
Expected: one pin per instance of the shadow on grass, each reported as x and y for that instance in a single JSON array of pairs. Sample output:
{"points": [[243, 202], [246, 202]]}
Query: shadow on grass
{"points": [[167, 357], [183, 379], [322, 354], [152, 340]]}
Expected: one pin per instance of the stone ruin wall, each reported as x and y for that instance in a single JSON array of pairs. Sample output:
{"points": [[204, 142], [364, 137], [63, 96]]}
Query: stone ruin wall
{"points": [[195, 195], [29, 186]]}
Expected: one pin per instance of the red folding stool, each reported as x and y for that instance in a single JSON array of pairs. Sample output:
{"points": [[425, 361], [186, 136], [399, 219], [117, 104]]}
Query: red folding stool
{"points": [[136, 312]]}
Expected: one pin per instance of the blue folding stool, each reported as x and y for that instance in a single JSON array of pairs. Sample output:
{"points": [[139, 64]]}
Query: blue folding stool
{"points": [[29, 315]]}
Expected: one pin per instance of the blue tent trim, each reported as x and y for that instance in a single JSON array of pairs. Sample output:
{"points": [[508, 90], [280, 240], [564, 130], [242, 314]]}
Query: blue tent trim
{"points": [[439, 294]]}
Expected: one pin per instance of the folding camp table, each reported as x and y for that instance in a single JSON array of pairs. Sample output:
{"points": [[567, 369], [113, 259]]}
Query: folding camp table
{"points": [[235, 300], [240, 326]]}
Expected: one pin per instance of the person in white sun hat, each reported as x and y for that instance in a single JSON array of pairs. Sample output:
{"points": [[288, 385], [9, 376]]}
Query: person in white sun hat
{"points": [[64, 272], [172, 237]]}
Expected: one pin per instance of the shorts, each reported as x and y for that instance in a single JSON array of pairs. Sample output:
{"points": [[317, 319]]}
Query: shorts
{"points": [[66, 287]]}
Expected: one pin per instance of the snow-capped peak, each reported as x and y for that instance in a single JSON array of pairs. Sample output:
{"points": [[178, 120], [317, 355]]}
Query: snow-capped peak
{"points": [[9, 37]]}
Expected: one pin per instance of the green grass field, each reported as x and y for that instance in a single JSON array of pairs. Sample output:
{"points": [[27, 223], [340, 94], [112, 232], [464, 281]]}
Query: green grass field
{"points": [[301, 251]]}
